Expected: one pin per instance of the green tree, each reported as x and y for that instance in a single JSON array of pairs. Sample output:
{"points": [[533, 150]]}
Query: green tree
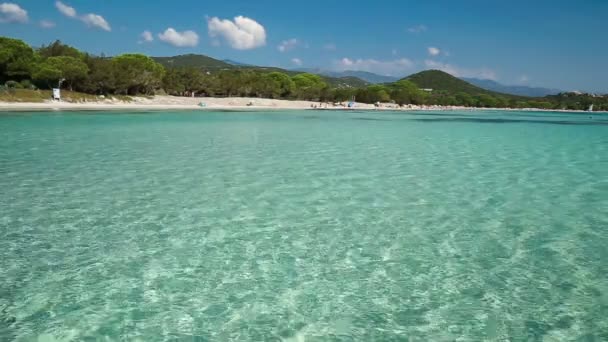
{"points": [[484, 100], [173, 82], [71, 69], [16, 59], [136, 74], [464, 99], [309, 86], [59, 49], [406, 92], [46, 74], [101, 76], [343, 94], [278, 85], [376, 93]]}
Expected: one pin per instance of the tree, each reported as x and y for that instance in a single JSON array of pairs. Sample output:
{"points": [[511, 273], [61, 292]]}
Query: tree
{"points": [[173, 82], [59, 49], [309, 86], [46, 74], [464, 99], [406, 92], [101, 76], [16, 59], [278, 85], [136, 74], [484, 100], [376, 93], [343, 94], [72, 69]]}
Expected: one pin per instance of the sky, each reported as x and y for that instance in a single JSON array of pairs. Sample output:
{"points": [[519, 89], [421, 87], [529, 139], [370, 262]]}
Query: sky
{"points": [[548, 43]]}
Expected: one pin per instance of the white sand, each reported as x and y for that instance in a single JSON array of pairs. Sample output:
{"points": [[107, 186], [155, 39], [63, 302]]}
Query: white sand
{"points": [[174, 102], [228, 103]]}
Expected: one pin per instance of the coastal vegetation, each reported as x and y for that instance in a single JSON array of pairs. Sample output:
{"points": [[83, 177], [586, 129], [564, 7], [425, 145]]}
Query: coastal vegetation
{"points": [[25, 68]]}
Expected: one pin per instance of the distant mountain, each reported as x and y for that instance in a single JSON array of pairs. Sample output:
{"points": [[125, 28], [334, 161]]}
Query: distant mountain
{"points": [[364, 75], [345, 82], [513, 89], [235, 63], [192, 61], [439, 80], [212, 64]]}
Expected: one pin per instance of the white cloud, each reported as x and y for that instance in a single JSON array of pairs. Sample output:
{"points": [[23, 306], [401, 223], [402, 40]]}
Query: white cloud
{"points": [[242, 34], [12, 13], [483, 73], [433, 51], [95, 20], [179, 39], [397, 67], [417, 29], [524, 79], [330, 47], [146, 36], [47, 24], [65, 9], [287, 45], [90, 19], [296, 61]]}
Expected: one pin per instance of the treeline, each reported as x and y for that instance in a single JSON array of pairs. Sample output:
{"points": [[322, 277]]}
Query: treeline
{"points": [[57, 64]]}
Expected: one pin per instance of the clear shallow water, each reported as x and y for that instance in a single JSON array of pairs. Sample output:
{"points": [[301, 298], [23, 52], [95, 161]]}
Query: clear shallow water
{"points": [[303, 226]]}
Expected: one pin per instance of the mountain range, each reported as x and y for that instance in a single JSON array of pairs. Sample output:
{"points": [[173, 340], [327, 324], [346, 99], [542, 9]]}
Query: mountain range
{"points": [[370, 77], [351, 78], [211, 64], [364, 75], [520, 90]]}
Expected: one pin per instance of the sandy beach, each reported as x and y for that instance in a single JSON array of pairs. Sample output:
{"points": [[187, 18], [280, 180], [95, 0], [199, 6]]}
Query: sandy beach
{"points": [[164, 102], [227, 103]]}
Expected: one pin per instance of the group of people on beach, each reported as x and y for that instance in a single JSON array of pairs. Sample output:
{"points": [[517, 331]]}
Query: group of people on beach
{"points": [[328, 104]]}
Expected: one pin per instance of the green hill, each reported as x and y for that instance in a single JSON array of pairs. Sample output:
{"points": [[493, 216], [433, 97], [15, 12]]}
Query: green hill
{"points": [[345, 82], [442, 81], [193, 61], [211, 64]]}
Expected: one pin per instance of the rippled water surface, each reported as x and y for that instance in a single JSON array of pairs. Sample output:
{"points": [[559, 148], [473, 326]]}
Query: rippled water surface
{"points": [[303, 226]]}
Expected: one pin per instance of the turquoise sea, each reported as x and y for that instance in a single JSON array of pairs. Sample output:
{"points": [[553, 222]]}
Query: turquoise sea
{"points": [[303, 226]]}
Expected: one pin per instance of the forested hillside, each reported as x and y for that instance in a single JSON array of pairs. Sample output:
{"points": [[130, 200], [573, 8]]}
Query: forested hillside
{"points": [[37, 69]]}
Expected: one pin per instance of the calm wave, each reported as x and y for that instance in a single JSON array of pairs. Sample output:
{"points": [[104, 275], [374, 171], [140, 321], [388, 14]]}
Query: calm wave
{"points": [[303, 226]]}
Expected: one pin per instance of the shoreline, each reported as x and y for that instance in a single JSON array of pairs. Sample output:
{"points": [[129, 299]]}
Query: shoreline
{"points": [[238, 104]]}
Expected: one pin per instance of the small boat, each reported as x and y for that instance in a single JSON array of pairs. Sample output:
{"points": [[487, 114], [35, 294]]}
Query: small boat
{"points": [[590, 108]]}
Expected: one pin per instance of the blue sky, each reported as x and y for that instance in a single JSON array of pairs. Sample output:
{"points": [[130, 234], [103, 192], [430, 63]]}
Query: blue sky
{"points": [[558, 44]]}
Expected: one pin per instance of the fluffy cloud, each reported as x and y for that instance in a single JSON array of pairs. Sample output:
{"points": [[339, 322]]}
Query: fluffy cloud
{"points": [[179, 39], [287, 45], [46, 24], [296, 61], [397, 67], [417, 29], [65, 9], [433, 51], [483, 73], [146, 36], [12, 13], [90, 19], [95, 20], [242, 34]]}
